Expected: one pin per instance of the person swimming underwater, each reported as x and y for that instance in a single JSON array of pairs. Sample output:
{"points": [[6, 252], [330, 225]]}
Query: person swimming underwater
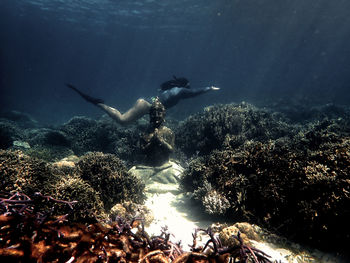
{"points": [[170, 93]]}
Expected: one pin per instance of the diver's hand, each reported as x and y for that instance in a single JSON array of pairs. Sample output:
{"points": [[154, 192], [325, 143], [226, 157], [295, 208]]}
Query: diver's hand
{"points": [[214, 88]]}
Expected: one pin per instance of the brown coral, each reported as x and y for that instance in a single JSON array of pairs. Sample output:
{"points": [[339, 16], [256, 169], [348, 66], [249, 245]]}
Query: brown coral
{"points": [[302, 192], [106, 182], [18, 172], [109, 177], [228, 125]]}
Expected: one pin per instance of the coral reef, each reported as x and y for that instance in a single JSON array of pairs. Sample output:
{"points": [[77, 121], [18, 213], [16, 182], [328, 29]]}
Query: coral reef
{"points": [[228, 126], [78, 136], [298, 186], [20, 119], [47, 144], [48, 153], [129, 210], [104, 135], [89, 206], [248, 232], [9, 133], [20, 173], [213, 202], [44, 143], [237, 252], [29, 233], [108, 175], [304, 111], [46, 136], [97, 182], [85, 135], [286, 170]]}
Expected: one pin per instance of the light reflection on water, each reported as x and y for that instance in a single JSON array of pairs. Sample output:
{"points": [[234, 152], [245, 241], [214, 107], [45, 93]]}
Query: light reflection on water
{"points": [[178, 14]]}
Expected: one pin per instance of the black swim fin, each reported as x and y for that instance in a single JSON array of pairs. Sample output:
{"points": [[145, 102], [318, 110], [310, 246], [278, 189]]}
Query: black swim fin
{"points": [[85, 96]]}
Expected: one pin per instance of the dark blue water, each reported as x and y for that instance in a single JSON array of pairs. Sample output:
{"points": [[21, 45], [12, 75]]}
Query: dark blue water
{"points": [[120, 50]]}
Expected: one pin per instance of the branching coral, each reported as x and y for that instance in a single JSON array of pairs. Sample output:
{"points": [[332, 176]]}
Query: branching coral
{"points": [[213, 202], [100, 182], [19, 172], [104, 135], [27, 208], [49, 153], [109, 177], [303, 192], [237, 253], [27, 233], [89, 208], [228, 126], [84, 135]]}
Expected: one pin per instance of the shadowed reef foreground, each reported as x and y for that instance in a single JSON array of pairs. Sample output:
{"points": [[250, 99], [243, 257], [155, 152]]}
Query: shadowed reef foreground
{"points": [[289, 177], [288, 174], [97, 182]]}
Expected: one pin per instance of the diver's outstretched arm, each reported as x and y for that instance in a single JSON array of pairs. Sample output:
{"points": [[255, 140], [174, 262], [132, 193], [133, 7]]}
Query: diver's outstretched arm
{"points": [[171, 97], [189, 93], [140, 108]]}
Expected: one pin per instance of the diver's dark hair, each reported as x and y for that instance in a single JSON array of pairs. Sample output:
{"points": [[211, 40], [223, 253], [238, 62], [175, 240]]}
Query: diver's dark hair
{"points": [[175, 82]]}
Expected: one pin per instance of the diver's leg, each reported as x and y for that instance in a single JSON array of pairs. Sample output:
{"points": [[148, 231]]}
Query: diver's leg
{"points": [[140, 109]]}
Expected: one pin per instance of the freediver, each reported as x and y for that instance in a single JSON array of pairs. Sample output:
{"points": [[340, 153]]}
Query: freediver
{"points": [[170, 93]]}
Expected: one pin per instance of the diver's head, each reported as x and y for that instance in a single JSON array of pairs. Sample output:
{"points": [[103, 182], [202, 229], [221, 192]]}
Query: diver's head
{"points": [[156, 113]]}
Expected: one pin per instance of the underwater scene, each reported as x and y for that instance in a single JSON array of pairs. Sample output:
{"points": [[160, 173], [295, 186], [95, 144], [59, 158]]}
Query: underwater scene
{"points": [[175, 131]]}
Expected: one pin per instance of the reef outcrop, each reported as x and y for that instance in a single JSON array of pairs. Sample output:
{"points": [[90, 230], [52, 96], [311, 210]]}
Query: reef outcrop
{"points": [[287, 170], [103, 135], [228, 125], [297, 185], [97, 181], [9, 132], [108, 175]]}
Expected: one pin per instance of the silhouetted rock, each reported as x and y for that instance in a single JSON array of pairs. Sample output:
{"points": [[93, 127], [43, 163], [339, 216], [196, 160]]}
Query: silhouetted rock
{"points": [[21, 119], [9, 133]]}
